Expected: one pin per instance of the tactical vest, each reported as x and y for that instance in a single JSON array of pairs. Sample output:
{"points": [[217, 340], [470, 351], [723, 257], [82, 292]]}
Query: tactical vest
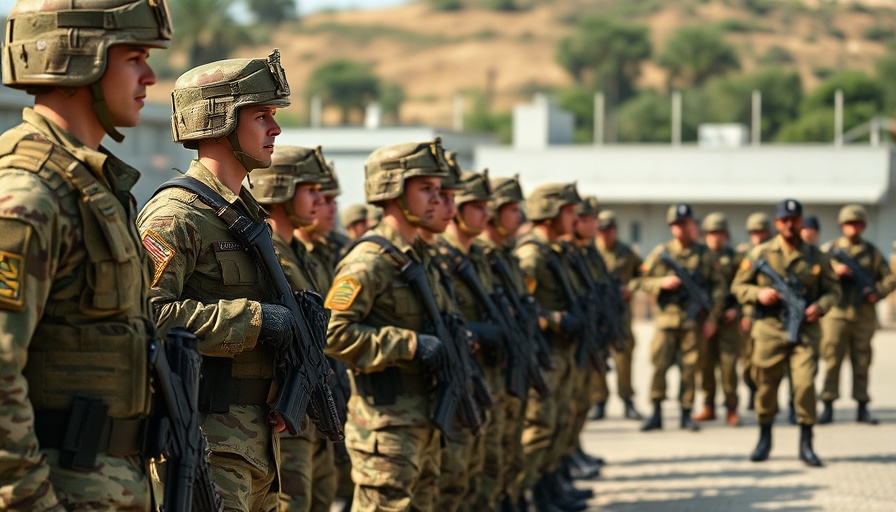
{"points": [[91, 340]]}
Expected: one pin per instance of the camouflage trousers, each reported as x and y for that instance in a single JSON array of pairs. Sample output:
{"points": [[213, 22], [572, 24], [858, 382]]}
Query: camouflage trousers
{"points": [[547, 417], [307, 472], [454, 477], [512, 448], [582, 382], [842, 336], [487, 463], [721, 351], [117, 483], [394, 468], [668, 346], [244, 459], [623, 367]]}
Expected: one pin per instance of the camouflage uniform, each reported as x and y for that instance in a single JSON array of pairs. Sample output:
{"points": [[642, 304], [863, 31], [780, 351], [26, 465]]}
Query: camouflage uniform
{"points": [[205, 281], [850, 324], [677, 338], [624, 264], [376, 318], [74, 314]]}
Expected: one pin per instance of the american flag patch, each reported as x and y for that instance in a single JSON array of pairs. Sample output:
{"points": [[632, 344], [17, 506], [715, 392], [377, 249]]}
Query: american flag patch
{"points": [[159, 251]]}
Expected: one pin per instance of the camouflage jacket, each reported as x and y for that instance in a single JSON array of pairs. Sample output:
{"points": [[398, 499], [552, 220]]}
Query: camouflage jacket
{"points": [[852, 304]]}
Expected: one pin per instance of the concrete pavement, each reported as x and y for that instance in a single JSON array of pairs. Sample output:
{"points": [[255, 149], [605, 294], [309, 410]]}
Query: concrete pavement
{"points": [[675, 470]]}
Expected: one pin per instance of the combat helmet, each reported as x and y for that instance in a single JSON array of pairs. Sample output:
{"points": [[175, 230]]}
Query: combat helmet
{"points": [[715, 221], [452, 181], [758, 221], [852, 213], [330, 186], [290, 167], [506, 190], [545, 201], [353, 213], [476, 187], [589, 206], [67, 45], [206, 100], [389, 167]]}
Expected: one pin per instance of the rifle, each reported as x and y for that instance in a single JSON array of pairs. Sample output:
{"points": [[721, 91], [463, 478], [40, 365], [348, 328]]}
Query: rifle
{"points": [[795, 303], [305, 384], [863, 280], [606, 297], [526, 314], [592, 346], [691, 292], [175, 365], [521, 363], [342, 391]]}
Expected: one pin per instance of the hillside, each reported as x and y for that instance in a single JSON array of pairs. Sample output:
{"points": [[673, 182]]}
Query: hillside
{"points": [[436, 55]]}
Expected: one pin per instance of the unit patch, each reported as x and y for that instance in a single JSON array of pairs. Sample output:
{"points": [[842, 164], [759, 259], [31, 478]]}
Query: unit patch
{"points": [[12, 268], [342, 293], [159, 251], [745, 264]]}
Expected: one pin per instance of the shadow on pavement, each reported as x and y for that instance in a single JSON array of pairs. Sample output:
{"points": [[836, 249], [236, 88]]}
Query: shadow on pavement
{"points": [[888, 458], [690, 475], [721, 499], [680, 460]]}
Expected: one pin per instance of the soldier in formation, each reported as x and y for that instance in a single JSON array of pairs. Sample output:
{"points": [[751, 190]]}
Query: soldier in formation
{"points": [[74, 314]]}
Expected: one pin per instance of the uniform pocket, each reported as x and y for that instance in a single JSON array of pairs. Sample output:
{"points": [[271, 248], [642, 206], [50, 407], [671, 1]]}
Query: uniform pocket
{"points": [[237, 268]]}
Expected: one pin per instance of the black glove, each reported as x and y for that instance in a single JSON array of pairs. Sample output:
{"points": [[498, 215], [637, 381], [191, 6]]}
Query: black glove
{"points": [[430, 352], [570, 323], [280, 330], [489, 336]]}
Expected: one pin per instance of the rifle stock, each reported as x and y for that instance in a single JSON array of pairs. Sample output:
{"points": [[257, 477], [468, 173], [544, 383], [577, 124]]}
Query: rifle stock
{"points": [[795, 304], [695, 296], [862, 279]]}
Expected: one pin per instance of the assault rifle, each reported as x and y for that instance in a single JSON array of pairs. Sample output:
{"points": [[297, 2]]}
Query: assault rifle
{"points": [[522, 366], [863, 280], [794, 303], [175, 365], [607, 304], [305, 387], [695, 297], [342, 391], [526, 314], [592, 346]]}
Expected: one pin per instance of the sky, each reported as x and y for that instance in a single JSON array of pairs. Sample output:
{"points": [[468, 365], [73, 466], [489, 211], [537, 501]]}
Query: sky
{"points": [[305, 6]]}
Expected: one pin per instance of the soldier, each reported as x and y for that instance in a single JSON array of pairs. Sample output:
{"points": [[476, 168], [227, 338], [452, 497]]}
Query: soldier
{"points": [[722, 348], [623, 264], [677, 333], [354, 220], [205, 280], [810, 230], [376, 328], [850, 324], [553, 209], [759, 228], [497, 244], [74, 314], [804, 265], [324, 244]]}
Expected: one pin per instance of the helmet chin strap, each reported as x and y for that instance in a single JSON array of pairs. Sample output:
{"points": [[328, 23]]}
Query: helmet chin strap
{"points": [[248, 161], [462, 226], [413, 219], [101, 108], [296, 221]]}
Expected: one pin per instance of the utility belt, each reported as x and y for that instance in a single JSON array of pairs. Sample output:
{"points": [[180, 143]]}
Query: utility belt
{"points": [[219, 389], [385, 386], [86, 430]]}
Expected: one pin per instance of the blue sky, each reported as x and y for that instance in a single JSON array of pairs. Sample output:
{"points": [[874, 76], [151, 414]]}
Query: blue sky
{"points": [[305, 6]]}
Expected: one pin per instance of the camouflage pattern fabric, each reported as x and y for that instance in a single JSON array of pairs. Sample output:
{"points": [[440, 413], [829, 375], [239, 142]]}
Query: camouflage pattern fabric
{"points": [[723, 348]]}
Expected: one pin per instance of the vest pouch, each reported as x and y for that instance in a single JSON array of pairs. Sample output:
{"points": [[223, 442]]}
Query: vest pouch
{"points": [[257, 363], [103, 360]]}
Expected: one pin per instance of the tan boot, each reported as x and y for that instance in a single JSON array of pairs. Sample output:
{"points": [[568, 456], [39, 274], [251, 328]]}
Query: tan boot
{"points": [[732, 418], [707, 414]]}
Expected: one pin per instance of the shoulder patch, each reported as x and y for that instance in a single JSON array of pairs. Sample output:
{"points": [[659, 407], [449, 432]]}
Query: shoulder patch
{"points": [[746, 264], [342, 294], [160, 252], [12, 272], [816, 269], [531, 284]]}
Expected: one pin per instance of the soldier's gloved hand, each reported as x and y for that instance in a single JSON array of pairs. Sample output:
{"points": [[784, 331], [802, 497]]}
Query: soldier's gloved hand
{"points": [[430, 352], [489, 336], [280, 330], [570, 323]]}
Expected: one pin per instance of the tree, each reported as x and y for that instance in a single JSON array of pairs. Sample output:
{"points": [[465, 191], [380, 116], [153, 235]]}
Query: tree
{"points": [[272, 12], [648, 117], [205, 30], [886, 74], [605, 54], [729, 99], [391, 96], [447, 5], [346, 83], [694, 54]]}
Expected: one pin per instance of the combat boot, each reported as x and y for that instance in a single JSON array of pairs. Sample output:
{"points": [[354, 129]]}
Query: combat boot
{"points": [[566, 495], [655, 422], [542, 499], [807, 454], [764, 446], [563, 483], [732, 418], [549, 498], [827, 415], [630, 412], [791, 413], [588, 457], [707, 414], [577, 468], [688, 423], [507, 505], [864, 416], [598, 411]]}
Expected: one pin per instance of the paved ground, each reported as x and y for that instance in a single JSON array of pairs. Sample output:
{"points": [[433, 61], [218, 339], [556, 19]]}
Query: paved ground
{"points": [[673, 470]]}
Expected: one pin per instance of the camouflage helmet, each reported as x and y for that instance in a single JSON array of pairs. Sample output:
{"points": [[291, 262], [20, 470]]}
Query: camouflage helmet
{"points": [[546, 201], [758, 222], [206, 100], [475, 187], [506, 190], [388, 167], [852, 213], [606, 219], [290, 166], [66, 44], [715, 221], [452, 181], [589, 206], [330, 186], [353, 213]]}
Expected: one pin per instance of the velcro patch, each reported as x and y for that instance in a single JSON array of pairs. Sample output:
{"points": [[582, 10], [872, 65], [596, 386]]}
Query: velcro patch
{"points": [[12, 272], [342, 293], [159, 251]]}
